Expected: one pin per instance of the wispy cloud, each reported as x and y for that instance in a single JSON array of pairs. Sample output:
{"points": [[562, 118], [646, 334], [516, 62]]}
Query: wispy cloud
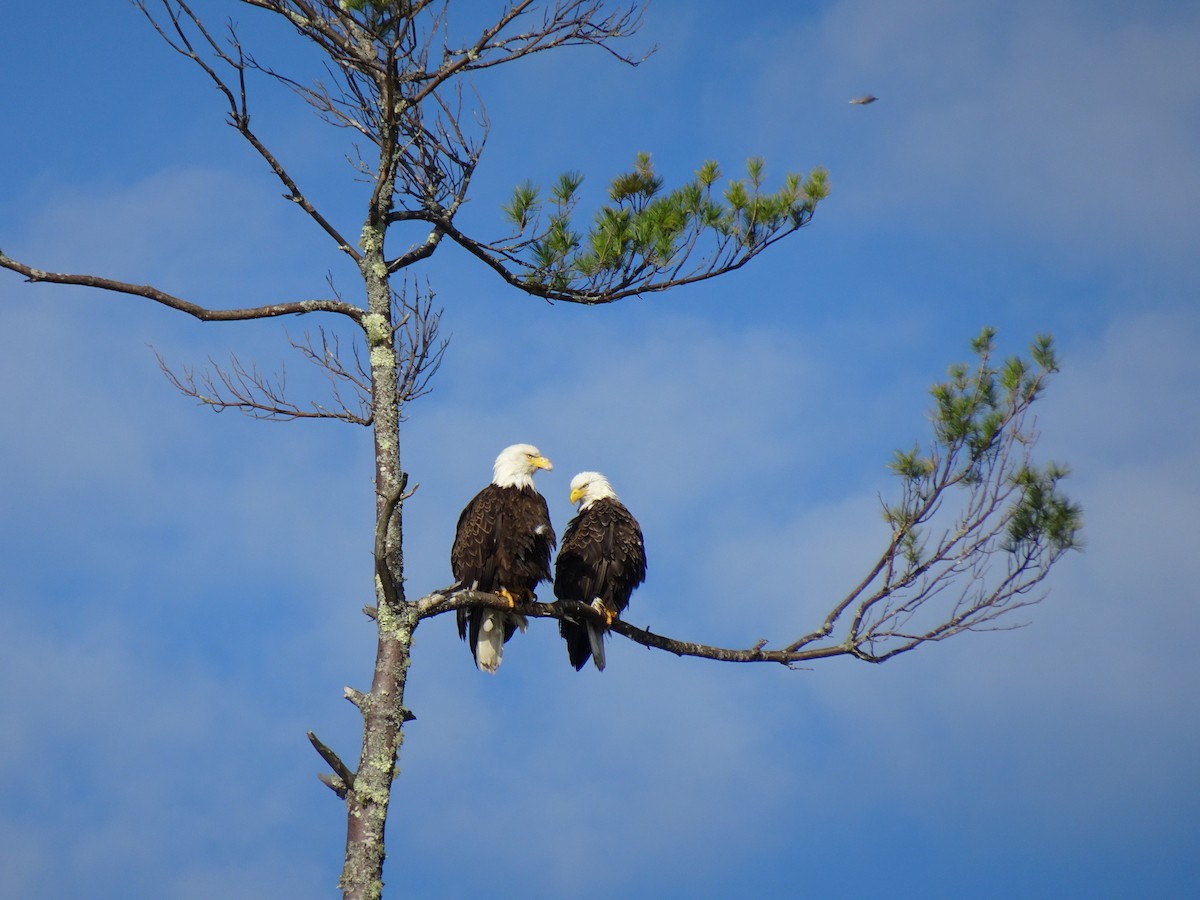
{"points": [[1041, 121]]}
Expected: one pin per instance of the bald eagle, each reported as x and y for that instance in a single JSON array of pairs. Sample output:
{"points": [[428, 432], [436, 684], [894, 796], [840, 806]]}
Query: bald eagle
{"points": [[603, 558], [502, 546]]}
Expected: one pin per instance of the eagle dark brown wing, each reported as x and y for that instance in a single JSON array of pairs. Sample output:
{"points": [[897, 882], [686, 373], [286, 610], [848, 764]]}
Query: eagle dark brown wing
{"points": [[603, 557], [504, 540]]}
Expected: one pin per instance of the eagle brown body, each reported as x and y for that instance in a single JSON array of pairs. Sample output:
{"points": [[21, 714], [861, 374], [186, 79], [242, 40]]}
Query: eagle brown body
{"points": [[502, 545], [602, 560]]}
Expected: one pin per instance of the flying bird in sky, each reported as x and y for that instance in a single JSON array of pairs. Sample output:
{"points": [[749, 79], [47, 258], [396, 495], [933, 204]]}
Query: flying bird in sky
{"points": [[603, 558], [864, 100], [502, 546]]}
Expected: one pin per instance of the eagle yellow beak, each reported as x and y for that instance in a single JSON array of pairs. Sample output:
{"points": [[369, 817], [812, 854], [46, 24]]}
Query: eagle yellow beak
{"points": [[576, 495], [540, 462]]}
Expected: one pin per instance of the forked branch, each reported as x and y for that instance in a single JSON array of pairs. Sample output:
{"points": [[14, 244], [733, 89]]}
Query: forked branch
{"points": [[246, 388]]}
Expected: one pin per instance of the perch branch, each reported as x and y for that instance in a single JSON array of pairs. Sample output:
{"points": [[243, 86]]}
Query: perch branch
{"points": [[450, 598]]}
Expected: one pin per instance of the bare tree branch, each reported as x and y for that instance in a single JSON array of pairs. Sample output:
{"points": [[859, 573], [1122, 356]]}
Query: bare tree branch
{"points": [[329, 358], [572, 23], [202, 313], [254, 393], [419, 353], [239, 113], [345, 778], [335, 784]]}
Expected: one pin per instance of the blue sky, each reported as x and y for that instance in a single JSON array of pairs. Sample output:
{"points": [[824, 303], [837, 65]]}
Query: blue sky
{"points": [[182, 589]]}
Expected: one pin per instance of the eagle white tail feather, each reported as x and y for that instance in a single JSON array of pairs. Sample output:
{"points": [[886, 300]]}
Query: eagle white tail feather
{"points": [[596, 639], [489, 646]]}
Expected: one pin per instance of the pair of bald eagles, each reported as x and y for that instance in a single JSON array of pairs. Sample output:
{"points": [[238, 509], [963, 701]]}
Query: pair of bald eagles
{"points": [[503, 546]]}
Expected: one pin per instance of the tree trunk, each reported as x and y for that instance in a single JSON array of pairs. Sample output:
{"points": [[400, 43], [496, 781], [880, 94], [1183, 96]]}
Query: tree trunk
{"points": [[383, 708], [384, 716]]}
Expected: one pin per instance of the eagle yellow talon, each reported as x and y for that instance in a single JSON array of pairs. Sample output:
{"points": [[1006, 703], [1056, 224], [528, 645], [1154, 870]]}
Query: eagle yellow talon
{"points": [[609, 615], [509, 598]]}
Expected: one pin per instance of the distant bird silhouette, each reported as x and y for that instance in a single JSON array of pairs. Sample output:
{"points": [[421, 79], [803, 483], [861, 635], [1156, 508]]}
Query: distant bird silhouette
{"points": [[864, 100]]}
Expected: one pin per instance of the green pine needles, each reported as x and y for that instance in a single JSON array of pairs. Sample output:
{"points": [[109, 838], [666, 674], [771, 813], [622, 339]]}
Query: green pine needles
{"points": [[646, 239], [978, 524], [978, 420]]}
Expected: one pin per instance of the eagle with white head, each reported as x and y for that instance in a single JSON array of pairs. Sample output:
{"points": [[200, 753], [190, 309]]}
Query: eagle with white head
{"points": [[502, 546], [603, 558]]}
